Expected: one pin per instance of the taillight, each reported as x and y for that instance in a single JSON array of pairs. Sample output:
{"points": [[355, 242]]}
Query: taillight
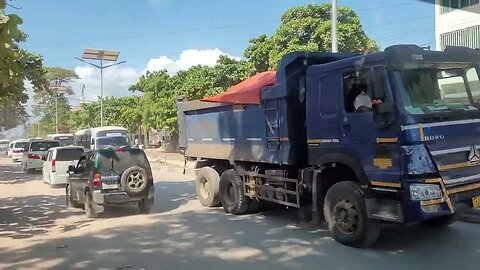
{"points": [[120, 150], [54, 169], [17, 151], [33, 156], [97, 180]]}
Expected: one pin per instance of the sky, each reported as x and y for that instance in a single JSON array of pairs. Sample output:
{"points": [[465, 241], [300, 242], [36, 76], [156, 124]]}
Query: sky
{"points": [[176, 34]]}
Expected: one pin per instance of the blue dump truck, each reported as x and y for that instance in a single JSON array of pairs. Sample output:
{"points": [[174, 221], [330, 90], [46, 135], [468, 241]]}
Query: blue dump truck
{"points": [[361, 140]]}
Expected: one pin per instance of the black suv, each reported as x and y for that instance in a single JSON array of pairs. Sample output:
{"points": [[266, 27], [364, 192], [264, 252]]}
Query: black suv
{"points": [[110, 177]]}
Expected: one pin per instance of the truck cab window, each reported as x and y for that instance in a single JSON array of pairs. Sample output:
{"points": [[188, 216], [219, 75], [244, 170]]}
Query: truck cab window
{"points": [[363, 89]]}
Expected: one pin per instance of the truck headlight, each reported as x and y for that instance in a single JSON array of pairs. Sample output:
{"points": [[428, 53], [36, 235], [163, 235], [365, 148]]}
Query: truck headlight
{"points": [[421, 192]]}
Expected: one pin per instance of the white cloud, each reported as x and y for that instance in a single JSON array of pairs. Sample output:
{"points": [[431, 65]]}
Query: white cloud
{"points": [[187, 59], [117, 79]]}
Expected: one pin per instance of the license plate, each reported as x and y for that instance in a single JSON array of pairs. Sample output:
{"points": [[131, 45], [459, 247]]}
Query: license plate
{"points": [[476, 202], [109, 185]]}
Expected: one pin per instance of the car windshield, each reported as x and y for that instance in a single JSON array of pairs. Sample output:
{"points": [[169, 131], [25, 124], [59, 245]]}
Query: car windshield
{"points": [[43, 146], [117, 141], [69, 154], [20, 145], [436, 90]]}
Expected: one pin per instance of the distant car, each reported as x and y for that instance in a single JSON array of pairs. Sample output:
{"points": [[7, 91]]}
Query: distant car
{"points": [[15, 150], [33, 152], [57, 161], [4, 146], [110, 177]]}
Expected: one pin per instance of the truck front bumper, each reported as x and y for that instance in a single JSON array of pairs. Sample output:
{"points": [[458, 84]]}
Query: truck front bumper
{"points": [[396, 205]]}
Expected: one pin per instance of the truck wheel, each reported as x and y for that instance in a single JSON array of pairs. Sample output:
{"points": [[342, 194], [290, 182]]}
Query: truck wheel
{"points": [[346, 215], [256, 206], [441, 221], [207, 185], [232, 194], [90, 211]]}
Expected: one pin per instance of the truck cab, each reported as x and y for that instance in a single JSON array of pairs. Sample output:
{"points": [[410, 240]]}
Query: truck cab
{"points": [[416, 148]]}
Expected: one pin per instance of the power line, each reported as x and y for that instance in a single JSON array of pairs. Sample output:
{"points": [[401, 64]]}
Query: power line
{"points": [[196, 30]]}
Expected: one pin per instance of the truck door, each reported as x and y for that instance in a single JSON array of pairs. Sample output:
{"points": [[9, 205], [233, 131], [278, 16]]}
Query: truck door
{"points": [[376, 146]]}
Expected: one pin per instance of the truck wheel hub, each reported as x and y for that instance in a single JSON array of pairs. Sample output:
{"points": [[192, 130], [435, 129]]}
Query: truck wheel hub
{"points": [[345, 216]]}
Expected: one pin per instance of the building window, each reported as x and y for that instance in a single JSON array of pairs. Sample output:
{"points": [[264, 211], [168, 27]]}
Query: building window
{"points": [[468, 37], [450, 5]]}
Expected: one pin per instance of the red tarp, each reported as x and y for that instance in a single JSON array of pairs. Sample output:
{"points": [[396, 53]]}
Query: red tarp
{"points": [[246, 92]]}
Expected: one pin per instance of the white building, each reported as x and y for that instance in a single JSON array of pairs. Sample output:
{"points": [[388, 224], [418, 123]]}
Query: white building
{"points": [[457, 23]]}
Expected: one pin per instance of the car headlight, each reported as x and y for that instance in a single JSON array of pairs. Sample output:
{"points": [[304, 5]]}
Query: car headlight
{"points": [[421, 192]]}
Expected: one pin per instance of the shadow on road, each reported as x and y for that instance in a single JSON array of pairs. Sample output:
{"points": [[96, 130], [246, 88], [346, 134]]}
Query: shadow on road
{"points": [[25, 217]]}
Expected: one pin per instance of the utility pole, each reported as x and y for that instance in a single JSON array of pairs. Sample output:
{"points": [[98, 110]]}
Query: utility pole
{"points": [[334, 27]]}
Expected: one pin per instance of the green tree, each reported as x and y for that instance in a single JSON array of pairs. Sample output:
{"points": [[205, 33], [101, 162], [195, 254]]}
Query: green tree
{"points": [[308, 28], [16, 66]]}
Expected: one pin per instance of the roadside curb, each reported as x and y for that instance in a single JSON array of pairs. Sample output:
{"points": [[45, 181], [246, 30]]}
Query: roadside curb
{"points": [[471, 216]]}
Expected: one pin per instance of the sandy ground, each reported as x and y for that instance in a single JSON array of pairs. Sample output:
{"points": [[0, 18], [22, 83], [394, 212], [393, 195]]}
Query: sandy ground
{"points": [[38, 232]]}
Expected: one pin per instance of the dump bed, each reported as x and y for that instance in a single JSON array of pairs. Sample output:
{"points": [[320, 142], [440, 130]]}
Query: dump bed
{"points": [[272, 131]]}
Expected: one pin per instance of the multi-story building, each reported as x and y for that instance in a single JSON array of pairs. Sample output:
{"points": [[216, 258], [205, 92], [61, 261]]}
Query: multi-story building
{"points": [[457, 23]]}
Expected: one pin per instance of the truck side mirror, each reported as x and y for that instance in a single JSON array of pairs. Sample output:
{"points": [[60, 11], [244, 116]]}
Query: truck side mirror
{"points": [[383, 114]]}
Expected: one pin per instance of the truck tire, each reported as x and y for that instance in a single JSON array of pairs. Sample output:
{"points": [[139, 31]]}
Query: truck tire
{"points": [[232, 194], [207, 184], [145, 205], [441, 221], [256, 206], [346, 215], [134, 181]]}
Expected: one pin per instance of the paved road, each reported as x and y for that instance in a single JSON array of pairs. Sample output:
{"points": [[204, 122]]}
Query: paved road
{"points": [[37, 232]]}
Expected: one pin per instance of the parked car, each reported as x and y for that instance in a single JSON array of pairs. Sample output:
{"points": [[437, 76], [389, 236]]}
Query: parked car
{"points": [[4, 146], [57, 161], [15, 150], [110, 177], [33, 152]]}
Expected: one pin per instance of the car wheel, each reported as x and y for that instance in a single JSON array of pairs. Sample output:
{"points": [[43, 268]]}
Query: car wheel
{"points": [[68, 197], [232, 194], [145, 205], [346, 215], [134, 181], [90, 211], [207, 185]]}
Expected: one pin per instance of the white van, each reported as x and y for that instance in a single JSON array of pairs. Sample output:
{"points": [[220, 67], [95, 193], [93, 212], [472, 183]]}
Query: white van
{"points": [[15, 150], [63, 138], [57, 161], [102, 137]]}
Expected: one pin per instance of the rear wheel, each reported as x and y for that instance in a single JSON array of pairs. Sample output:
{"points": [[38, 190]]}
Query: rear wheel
{"points": [[232, 194], [207, 185], [145, 205], [71, 203], [90, 210], [346, 215]]}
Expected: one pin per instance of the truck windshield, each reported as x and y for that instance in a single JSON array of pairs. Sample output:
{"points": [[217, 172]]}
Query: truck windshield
{"points": [[438, 89]]}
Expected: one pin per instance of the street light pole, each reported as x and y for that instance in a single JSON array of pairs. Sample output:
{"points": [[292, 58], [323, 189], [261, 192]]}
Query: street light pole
{"points": [[334, 27], [101, 55], [56, 112], [101, 92]]}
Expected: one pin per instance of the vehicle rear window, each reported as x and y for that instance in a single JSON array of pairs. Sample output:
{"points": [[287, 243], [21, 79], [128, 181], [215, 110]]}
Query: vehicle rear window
{"points": [[109, 160], [64, 140], [20, 145], [68, 154], [43, 146], [3, 143]]}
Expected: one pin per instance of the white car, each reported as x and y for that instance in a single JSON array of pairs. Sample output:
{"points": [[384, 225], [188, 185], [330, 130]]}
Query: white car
{"points": [[57, 161], [34, 152], [15, 150]]}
